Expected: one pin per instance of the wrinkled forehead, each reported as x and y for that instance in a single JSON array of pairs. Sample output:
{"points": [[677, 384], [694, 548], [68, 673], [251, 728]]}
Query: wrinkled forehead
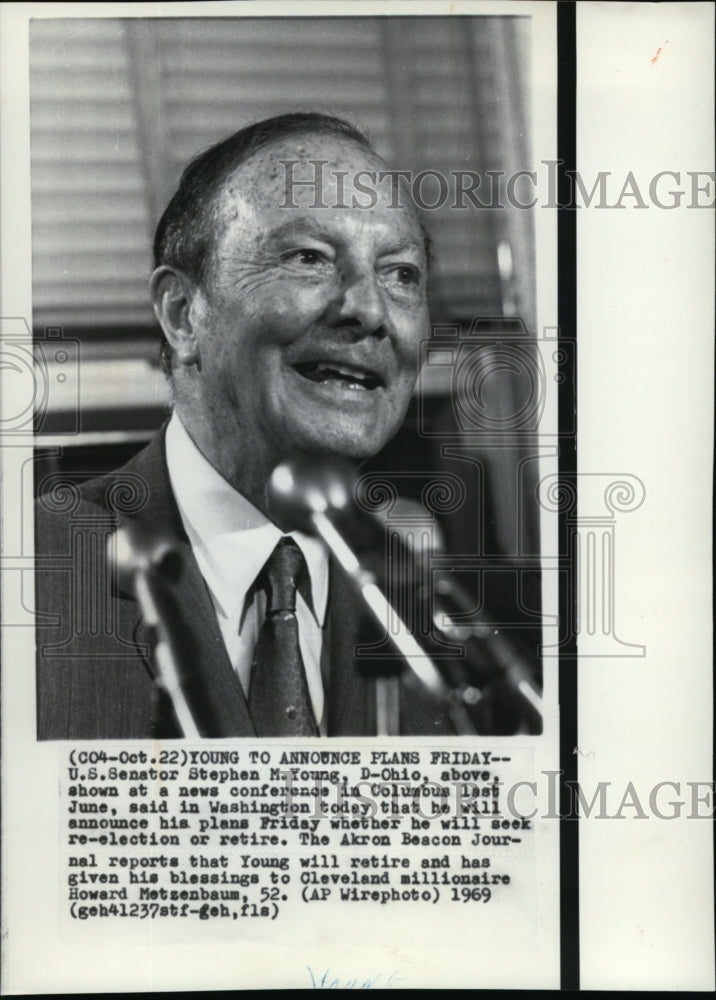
{"points": [[326, 177]]}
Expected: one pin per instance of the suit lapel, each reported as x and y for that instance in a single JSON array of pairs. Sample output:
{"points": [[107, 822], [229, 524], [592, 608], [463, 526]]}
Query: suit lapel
{"points": [[220, 690], [350, 693], [217, 690]]}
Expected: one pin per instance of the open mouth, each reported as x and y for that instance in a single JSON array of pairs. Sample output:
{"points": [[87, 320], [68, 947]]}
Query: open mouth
{"points": [[349, 376]]}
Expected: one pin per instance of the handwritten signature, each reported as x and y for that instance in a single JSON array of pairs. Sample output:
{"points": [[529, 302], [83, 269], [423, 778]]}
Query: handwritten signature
{"points": [[329, 981]]}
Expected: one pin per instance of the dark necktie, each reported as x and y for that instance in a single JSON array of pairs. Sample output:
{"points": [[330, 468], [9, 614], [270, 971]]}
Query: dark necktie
{"points": [[279, 701]]}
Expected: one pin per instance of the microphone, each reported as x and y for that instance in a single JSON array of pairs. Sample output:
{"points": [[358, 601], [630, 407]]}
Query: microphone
{"points": [[304, 487], [455, 616], [147, 563], [140, 549], [315, 494]]}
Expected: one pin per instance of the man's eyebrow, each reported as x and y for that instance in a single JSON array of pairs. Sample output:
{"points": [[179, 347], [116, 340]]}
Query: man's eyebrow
{"points": [[296, 227], [410, 243]]}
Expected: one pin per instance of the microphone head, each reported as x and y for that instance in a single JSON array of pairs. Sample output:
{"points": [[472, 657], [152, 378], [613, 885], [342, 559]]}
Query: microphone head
{"points": [[310, 484], [141, 546], [412, 523]]}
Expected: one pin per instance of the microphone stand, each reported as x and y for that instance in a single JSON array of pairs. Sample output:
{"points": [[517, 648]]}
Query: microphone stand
{"points": [[147, 564]]}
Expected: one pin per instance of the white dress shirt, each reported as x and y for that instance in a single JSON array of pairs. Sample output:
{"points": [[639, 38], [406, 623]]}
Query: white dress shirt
{"points": [[231, 541]]}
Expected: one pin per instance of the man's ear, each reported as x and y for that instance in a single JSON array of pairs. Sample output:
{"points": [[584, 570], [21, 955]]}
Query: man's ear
{"points": [[172, 293]]}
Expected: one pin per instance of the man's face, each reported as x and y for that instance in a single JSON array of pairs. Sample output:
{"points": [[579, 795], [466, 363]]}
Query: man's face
{"points": [[310, 318]]}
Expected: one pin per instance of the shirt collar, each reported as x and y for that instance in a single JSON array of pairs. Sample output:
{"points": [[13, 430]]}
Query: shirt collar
{"points": [[230, 537]]}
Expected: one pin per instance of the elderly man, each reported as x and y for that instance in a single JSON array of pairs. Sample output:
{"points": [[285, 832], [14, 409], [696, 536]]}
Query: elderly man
{"points": [[292, 312]]}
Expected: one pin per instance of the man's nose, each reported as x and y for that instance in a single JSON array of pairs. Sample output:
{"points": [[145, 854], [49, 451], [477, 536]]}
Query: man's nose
{"points": [[359, 304]]}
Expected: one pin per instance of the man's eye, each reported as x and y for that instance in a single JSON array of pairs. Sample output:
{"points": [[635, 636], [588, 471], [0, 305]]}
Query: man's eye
{"points": [[306, 255], [407, 275]]}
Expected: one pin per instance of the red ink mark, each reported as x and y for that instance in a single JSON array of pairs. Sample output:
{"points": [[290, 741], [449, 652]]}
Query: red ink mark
{"points": [[658, 52]]}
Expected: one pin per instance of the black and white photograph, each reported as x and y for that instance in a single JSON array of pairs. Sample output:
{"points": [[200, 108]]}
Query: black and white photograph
{"points": [[387, 378]]}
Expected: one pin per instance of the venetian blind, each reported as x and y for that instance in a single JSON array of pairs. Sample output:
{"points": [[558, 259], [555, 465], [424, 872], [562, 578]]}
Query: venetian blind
{"points": [[120, 106]]}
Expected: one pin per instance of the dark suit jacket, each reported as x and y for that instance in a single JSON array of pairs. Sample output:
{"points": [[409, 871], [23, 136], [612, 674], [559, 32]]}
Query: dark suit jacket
{"points": [[94, 672]]}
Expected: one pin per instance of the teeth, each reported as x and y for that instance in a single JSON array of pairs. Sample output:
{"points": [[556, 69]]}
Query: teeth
{"points": [[352, 378], [325, 366]]}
